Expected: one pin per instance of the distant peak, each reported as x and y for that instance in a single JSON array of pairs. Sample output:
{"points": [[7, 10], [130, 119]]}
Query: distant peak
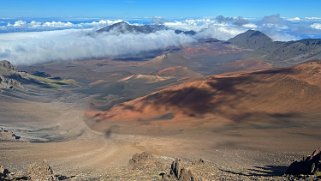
{"points": [[122, 23], [253, 33], [251, 39], [124, 27]]}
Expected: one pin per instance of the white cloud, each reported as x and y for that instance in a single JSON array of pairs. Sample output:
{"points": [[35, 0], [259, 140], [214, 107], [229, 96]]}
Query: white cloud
{"points": [[57, 24], [313, 18], [277, 36], [64, 45], [294, 19], [190, 24], [316, 26], [35, 24], [53, 25], [275, 26], [220, 31], [18, 23], [97, 24], [79, 40], [250, 26]]}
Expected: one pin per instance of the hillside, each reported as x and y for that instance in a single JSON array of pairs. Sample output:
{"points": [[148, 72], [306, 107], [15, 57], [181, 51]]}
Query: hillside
{"points": [[276, 52], [225, 99], [10, 78]]}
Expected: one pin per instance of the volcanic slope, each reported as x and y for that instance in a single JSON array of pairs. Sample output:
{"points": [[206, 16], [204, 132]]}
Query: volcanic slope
{"points": [[278, 52], [231, 98]]}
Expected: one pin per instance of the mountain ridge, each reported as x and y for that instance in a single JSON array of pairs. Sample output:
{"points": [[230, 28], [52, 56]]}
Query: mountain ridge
{"points": [[278, 52], [124, 27]]}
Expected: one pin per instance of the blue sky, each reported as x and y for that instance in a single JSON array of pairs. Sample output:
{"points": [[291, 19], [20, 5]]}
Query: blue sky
{"points": [[158, 8]]}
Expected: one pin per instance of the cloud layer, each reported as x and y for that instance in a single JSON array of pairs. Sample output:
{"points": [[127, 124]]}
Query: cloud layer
{"points": [[40, 41], [64, 45]]}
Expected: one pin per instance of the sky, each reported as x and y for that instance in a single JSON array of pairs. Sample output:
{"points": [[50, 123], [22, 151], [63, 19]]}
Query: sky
{"points": [[158, 8]]}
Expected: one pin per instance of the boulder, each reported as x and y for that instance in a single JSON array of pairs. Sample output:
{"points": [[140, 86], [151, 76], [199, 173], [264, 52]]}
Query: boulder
{"points": [[307, 166], [8, 135], [3, 172], [178, 172], [143, 160], [176, 168], [186, 175], [41, 171]]}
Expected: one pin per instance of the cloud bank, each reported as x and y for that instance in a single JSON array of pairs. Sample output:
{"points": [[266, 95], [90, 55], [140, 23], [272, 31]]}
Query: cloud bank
{"points": [[64, 45], [34, 41], [9, 25]]}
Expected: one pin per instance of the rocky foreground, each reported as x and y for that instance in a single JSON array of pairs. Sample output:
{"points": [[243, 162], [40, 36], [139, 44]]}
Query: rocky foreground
{"points": [[157, 168], [147, 166]]}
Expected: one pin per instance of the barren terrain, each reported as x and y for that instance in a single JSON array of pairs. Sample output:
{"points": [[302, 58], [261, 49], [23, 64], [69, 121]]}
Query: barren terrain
{"points": [[225, 117]]}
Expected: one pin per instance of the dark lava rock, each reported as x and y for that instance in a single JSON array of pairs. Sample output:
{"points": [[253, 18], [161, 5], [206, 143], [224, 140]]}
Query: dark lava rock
{"points": [[41, 74], [307, 166], [3, 173], [178, 172], [176, 168]]}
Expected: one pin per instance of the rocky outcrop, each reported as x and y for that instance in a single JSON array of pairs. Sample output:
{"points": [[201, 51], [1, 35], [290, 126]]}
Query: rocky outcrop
{"points": [[187, 175], [176, 168], [10, 78], [144, 160], [6, 69], [178, 172], [7, 83], [8, 135], [4, 173], [307, 166], [41, 171], [6, 66]]}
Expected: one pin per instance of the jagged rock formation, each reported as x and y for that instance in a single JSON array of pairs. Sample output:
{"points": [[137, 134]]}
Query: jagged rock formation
{"points": [[307, 166], [178, 172]]}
